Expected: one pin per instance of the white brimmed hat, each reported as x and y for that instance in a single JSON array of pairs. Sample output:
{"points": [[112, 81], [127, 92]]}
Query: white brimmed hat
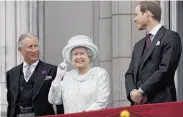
{"points": [[79, 41]]}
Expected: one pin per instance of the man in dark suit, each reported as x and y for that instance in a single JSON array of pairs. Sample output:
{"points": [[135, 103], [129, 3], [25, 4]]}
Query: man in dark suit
{"points": [[28, 84], [150, 76]]}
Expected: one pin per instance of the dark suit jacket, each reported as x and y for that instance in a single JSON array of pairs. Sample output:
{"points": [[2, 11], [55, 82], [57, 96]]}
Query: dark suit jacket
{"points": [[40, 91], [155, 75]]}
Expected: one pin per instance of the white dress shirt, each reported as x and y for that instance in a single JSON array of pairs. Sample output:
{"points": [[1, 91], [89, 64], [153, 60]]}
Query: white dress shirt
{"points": [[81, 93], [25, 66], [154, 31]]}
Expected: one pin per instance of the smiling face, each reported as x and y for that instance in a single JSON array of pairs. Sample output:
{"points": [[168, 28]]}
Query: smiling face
{"points": [[81, 58], [30, 49]]}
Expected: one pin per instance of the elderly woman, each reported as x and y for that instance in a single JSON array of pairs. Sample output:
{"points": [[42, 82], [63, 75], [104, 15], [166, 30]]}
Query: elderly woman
{"points": [[85, 88]]}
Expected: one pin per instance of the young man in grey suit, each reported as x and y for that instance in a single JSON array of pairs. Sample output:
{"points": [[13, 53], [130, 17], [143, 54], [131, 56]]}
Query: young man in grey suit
{"points": [[150, 76], [28, 84]]}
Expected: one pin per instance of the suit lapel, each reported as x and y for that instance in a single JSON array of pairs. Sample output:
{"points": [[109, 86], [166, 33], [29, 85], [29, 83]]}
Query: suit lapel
{"points": [[39, 75], [157, 37], [140, 48], [16, 79]]}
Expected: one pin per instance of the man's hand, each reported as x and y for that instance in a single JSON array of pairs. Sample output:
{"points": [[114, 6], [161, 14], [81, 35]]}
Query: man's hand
{"points": [[136, 96], [144, 100]]}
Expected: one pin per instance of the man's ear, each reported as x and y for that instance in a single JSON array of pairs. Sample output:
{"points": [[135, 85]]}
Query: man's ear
{"points": [[20, 50], [148, 13]]}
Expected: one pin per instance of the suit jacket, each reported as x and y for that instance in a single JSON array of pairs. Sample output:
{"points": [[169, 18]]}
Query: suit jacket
{"points": [[155, 74], [40, 90]]}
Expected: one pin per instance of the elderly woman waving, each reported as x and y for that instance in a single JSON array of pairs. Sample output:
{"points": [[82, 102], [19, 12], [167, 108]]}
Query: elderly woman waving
{"points": [[84, 88]]}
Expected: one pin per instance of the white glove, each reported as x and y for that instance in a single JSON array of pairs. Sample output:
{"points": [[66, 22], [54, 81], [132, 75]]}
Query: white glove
{"points": [[61, 70]]}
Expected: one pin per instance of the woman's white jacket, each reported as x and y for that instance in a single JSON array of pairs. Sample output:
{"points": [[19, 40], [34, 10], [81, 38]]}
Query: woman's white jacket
{"points": [[81, 93]]}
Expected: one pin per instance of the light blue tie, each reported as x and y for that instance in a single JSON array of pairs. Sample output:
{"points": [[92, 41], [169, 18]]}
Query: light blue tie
{"points": [[28, 72]]}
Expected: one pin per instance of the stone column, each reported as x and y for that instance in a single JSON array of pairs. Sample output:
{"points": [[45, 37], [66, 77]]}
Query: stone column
{"points": [[105, 40], [2, 40], [165, 13], [10, 34], [22, 21], [2, 57], [15, 20], [174, 27], [124, 37]]}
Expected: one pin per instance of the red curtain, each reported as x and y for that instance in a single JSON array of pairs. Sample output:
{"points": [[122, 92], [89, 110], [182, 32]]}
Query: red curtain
{"points": [[171, 109]]}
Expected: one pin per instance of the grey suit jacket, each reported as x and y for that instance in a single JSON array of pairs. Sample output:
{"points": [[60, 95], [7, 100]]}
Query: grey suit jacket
{"points": [[155, 75]]}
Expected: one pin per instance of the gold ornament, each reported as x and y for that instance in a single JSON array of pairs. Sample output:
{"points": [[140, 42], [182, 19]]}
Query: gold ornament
{"points": [[124, 113]]}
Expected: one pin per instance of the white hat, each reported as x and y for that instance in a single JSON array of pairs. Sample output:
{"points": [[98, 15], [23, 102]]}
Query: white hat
{"points": [[77, 41]]}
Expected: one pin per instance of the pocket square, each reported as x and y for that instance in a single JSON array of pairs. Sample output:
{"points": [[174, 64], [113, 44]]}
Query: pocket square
{"points": [[158, 43], [48, 78]]}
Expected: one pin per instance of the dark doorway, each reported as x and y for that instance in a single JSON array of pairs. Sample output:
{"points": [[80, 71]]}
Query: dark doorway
{"points": [[180, 68]]}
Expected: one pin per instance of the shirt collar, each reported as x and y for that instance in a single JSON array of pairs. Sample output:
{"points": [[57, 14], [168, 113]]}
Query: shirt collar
{"points": [[33, 64], [155, 29]]}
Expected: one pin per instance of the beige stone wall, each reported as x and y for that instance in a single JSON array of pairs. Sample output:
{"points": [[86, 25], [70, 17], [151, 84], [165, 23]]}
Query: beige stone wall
{"points": [[117, 38]]}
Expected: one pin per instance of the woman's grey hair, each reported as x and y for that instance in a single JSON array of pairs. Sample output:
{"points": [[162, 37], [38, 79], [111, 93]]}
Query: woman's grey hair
{"points": [[23, 36]]}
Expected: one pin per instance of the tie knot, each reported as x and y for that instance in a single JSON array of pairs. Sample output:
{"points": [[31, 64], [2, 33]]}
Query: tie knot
{"points": [[28, 66], [148, 34]]}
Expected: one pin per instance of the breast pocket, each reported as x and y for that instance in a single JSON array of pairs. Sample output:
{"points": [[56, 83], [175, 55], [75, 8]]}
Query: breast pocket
{"points": [[156, 55], [157, 49]]}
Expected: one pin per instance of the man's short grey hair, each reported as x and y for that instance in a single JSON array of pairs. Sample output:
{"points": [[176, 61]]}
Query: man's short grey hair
{"points": [[23, 36]]}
